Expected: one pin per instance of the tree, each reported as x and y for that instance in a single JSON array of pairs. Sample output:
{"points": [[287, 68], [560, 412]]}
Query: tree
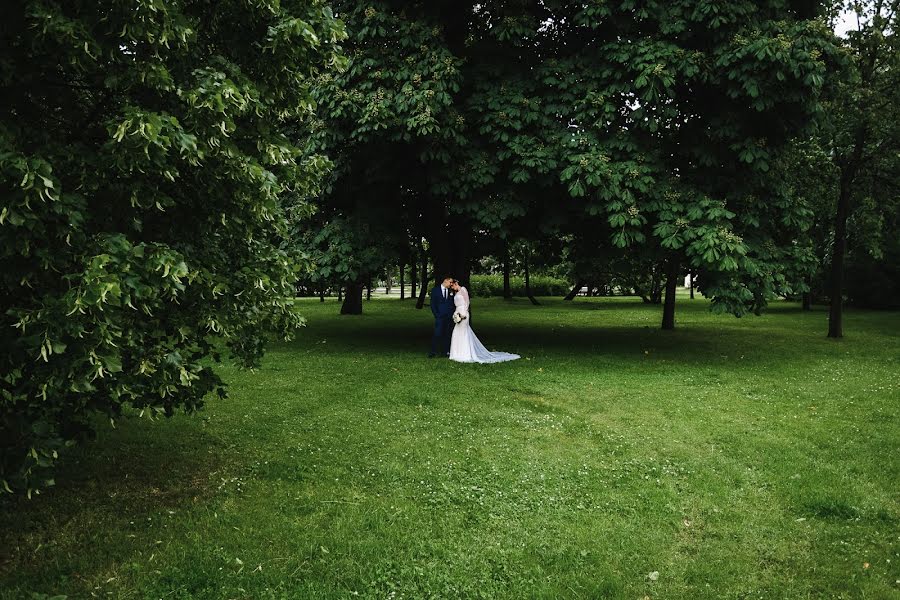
{"points": [[144, 167], [349, 250], [689, 117], [846, 172], [863, 135], [378, 117]]}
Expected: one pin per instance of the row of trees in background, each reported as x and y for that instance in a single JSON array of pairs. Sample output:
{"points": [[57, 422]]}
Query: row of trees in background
{"points": [[630, 146], [548, 274], [646, 142]]}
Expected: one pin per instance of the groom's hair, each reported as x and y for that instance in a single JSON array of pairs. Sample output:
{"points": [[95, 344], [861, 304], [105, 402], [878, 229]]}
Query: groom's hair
{"points": [[447, 277]]}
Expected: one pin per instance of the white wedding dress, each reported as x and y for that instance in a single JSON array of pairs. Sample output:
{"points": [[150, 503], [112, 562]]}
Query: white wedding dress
{"points": [[464, 345]]}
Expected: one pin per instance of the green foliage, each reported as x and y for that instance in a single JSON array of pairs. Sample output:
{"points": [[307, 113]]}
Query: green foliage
{"points": [[659, 125], [399, 81], [337, 252], [541, 285], [144, 166]]}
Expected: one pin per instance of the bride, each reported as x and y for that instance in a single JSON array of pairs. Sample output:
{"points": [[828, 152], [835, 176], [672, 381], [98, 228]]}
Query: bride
{"points": [[464, 346]]}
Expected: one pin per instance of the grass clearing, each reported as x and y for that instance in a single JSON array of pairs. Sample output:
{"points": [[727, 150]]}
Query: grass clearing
{"points": [[731, 458]]}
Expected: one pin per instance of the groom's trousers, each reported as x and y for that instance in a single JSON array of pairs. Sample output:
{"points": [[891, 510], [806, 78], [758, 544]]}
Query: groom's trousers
{"points": [[440, 341]]}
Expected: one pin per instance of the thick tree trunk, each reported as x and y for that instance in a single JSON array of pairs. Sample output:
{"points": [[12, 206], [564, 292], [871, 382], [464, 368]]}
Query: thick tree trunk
{"points": [[369, 289], [402, 282], [353, 302], [322, 293], [460, 233], [668, 320], [528, 281], [450, 235], [450, 243], [438, 238], [574, 291], [507, 290]]}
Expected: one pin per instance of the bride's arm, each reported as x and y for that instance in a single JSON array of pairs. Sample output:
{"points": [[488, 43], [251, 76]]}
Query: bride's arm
{"points": [[465, 294]]}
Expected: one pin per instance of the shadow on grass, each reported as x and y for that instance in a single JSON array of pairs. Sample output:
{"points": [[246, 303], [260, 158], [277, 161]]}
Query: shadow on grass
{"points": [[125, 475], [691, 344], [624, 327]]}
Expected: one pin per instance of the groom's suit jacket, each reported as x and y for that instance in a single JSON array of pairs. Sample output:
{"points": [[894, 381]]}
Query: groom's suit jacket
{"points": [[440, 307]]}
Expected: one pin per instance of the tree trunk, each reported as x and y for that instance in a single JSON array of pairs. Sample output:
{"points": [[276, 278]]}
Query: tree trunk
{"points": [[412, 276], [807, 301], [322, 293], [438, 238], [460, 233], [507, 290], [691, 280], [528, 281], [450, 238], [656, 287], [668, 321], [353, 303], [639, 291], [836, 291], [369, 289], [423, 289], [574, 291], [340, 293], [402, 282], [388, 284]]}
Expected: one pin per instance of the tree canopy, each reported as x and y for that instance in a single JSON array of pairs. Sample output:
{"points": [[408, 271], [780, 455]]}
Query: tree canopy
{"points": [[145, 164], [658, 126]]}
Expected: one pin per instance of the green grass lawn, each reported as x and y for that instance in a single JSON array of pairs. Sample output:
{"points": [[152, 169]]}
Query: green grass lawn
{"points": [[731, 458]]}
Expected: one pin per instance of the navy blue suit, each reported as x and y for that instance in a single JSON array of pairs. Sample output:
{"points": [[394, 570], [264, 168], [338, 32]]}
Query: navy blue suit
{"points": [[442, 309]]}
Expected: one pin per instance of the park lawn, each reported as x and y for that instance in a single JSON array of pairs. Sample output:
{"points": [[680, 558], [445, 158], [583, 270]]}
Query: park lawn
{"points": [[731, 458]]}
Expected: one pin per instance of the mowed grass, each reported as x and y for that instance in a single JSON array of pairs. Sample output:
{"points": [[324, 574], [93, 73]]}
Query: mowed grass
{"points": [[731, 458]]}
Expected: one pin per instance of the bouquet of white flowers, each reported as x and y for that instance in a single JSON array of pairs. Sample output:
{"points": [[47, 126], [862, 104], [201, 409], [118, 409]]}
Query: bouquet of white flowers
{"points": [[458, 318]]}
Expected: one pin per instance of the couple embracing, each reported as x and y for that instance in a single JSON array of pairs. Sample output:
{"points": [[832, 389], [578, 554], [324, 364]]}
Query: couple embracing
{"points": [[450, 307]]}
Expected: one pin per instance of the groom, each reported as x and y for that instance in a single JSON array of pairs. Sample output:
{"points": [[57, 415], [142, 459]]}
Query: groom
{"points": [[442, 308]]}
